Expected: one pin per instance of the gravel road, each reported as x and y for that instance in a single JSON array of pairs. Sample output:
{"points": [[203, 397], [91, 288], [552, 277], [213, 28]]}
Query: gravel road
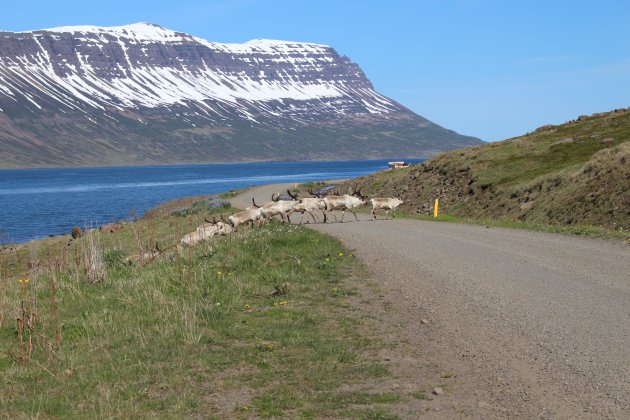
{"points": [[535, 325]]}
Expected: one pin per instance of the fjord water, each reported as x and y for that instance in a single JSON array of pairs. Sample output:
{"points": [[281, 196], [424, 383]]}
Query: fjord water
{"points": [[35, 203]]}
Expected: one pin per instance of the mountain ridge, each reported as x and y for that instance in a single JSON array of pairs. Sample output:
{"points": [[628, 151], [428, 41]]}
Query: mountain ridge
{"points": [[184, 99]]}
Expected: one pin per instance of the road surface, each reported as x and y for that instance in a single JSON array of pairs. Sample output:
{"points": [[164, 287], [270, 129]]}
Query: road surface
{"points": [[535, 325]]}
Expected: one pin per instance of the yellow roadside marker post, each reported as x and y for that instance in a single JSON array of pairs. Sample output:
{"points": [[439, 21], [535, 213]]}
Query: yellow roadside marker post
{"points": [[435, 209]]}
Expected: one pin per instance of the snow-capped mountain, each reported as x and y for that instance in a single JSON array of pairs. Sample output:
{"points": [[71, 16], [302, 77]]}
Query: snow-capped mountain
{"points": [[141, 93]]}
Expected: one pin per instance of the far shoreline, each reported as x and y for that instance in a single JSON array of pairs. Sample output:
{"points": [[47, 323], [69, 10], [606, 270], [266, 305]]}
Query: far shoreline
{"points": [[163, 165]]}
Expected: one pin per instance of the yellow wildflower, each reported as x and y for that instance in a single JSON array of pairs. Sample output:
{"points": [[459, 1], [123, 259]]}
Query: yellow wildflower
{"points": [[341, 254], [26, 281], [21, 281]]}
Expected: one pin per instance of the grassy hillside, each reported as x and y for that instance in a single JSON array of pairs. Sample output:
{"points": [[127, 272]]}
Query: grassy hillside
{"points": [[256, 324], [574, 173]]}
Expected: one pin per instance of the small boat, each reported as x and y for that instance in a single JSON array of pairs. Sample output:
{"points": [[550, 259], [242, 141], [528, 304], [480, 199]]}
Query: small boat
{"points": [[398, 165]]}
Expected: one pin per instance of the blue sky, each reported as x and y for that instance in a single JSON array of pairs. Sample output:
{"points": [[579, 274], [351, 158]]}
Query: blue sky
{"points": [[492, 69]]}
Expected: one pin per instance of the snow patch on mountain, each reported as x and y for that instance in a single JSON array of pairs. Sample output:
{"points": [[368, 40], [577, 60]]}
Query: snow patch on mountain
{"points": [[145, 65], [136, 31]]}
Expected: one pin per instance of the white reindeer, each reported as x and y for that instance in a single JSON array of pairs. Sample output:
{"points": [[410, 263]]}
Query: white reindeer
{"points": [[206, 231], [344, 202], [277, 207], [251, 216], [308, 205], [385, 203]]}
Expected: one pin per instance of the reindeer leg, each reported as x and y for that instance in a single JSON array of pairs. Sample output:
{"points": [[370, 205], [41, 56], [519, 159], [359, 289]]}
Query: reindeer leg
{"points": [[355, 215], [334, 215], [373, 215]]}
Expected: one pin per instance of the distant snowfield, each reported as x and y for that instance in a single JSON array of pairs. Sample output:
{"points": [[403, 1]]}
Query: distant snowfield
{"points": [[134, 83]]}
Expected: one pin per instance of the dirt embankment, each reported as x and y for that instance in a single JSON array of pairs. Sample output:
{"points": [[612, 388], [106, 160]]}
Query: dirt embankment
{"points": [[544, 177]]}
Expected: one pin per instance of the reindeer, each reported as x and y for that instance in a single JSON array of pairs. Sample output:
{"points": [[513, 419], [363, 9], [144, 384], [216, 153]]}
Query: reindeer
{"points": [[308, 205], [277, 206], [250, 216], [145, 257], [345, 202], [207, 231], [385, 203]]}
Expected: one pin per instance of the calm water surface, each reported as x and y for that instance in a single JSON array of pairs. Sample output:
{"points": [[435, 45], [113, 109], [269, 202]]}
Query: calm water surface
{"points": [[35, 203]]}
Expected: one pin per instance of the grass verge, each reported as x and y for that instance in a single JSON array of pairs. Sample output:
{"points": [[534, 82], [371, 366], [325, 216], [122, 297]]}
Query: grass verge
{"points": [[574, 230], [251, 325]]}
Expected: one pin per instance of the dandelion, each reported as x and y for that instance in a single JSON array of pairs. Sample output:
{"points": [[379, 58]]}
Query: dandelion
{"points": [[26, 281], [21, 281], [341, 254]]}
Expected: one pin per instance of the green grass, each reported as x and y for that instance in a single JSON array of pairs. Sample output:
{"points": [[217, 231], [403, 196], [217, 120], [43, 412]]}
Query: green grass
{"points": [[526, 158], [573, 230], [233, 193], [192, 333], [311, 184]]}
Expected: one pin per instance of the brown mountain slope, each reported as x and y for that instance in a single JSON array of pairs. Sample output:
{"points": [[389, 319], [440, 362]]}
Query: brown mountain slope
{"points": [[141, 94], [574, 173]]}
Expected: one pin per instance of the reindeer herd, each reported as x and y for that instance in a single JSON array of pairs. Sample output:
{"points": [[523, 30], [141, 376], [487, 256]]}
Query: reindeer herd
{"points": [[320, 203]]}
